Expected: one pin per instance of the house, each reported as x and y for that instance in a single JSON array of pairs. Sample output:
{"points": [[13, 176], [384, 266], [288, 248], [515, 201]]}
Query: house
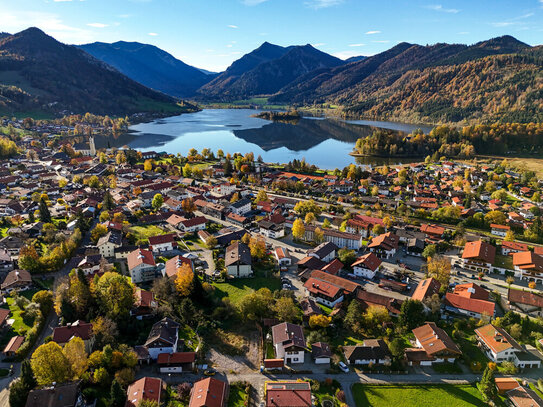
{"points": [[350, 288], [324, 292], [504, 384], [193, 225], [270, 229], [162, 338], [499, 346], [325, 251], [372, 351], [177, 362], [172, 266], [4, 315], [384, 245], [80, 329], [321, 353], [145, 304], [426, 289], [90, 265], [61, 395], [241, 207], [13, 346], [527, 302], [146, 388], [369, 299], [529, 266], [432, 232], [17, 280], [109, 242], [478, 256], [433, 346], [471, 300], [237, 260], [6, 264], [310, 263], [209, 392], [142, 266], [282, 256], [366, 266], [513, 247], [334, 267], [163, 243], [415, 247], [289, 342], [524, 397], [288, 394], [337, 237], [499, 230]]}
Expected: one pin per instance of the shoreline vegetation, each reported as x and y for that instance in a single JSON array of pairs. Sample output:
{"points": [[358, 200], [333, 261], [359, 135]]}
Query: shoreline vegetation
{"points": [[290, 116], [498, 139]]}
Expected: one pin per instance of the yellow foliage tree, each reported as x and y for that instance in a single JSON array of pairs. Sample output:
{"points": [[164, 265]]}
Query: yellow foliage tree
{"points": [[439, 268], [184, 280], [298, 229], [319, 321], [76, 354]]}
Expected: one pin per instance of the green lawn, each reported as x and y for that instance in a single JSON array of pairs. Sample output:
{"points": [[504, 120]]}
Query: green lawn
{"points": [[142, 233], [237, 395], [188, 335], [19, 325], [504, 261], [446, 367], [238, 288], [423, 395]]}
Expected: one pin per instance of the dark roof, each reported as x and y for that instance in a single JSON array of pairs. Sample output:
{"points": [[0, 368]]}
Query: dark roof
{"points": [[525, 297], [164, 330], [63, 334], [288, 335], [237, 252], [321, 350], [324, 249], [368, 299], [372, 349], [64, 395]]}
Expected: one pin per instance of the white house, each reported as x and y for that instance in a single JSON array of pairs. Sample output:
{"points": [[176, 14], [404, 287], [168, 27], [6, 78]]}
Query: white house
{"points": [[499, 346], [374, 351], [141, 266], [499, 230], [241, 207], [163, 338], [289, 342], [237, 260], [108, 243], [326, 251], [321, 353], [163, 243], [270, 229], [366, 266], [177, 362], [282, 256]]}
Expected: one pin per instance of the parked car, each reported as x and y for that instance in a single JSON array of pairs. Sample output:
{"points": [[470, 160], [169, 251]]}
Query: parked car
{"points": [[287, 287], [343, 367], [210, 372]]}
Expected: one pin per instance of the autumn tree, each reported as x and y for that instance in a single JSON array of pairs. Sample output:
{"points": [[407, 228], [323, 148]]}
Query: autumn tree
{"points": [[120, 158], [509, 236], [75, 352], [187, 171], [319, 321], [188, 205], [298, 229], [148, 165], [439, 267], [257, 246], [286, 310], [318, 236], [115, 295], [98, 231], [309, 218], [158, 201], [50, 365], [184, 280], [496, 217], [262, 196], [257, 305], [29, 259]]}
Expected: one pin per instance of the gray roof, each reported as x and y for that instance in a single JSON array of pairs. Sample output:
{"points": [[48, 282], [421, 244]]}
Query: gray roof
{"points": [[237, 252], [324, 249]]}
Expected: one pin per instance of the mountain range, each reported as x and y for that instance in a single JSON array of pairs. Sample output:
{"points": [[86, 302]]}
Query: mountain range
{"points": [[150, 66], [41, 76], [498, 79]]}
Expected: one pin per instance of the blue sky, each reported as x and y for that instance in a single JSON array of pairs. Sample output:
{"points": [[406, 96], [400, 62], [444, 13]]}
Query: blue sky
{"points": [[212, 33]]}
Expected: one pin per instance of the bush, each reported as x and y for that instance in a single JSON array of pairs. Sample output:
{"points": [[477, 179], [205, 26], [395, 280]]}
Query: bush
{"points": [[508, 368]]}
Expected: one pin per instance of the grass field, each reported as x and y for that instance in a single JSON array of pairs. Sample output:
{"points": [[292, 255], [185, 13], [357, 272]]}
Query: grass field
{"points": [[423, 395], [19, 324], [239, 288], [142, 233], [237, 395]]}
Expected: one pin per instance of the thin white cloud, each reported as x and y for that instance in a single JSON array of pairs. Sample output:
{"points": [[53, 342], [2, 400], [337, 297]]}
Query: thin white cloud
{"points": [[253, 2], [439, 7], [318, 4], [232, 26], [97, 25], [346, 54], [502, 23], [356, 45], [373, 32], [152, 34], [51, 23]]}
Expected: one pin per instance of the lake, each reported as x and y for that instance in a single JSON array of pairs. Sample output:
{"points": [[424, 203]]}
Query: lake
{"points": [[324, 142]]}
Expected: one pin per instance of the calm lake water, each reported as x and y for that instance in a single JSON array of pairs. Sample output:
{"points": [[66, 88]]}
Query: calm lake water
{"points": [[321, 141]]}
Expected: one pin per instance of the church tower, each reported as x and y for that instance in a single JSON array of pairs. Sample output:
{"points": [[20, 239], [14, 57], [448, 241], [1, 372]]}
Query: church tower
{"points": [[92, 147]]}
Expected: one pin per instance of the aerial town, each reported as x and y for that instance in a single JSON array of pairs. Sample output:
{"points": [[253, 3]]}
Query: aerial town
{"points": [[151, 279]]}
